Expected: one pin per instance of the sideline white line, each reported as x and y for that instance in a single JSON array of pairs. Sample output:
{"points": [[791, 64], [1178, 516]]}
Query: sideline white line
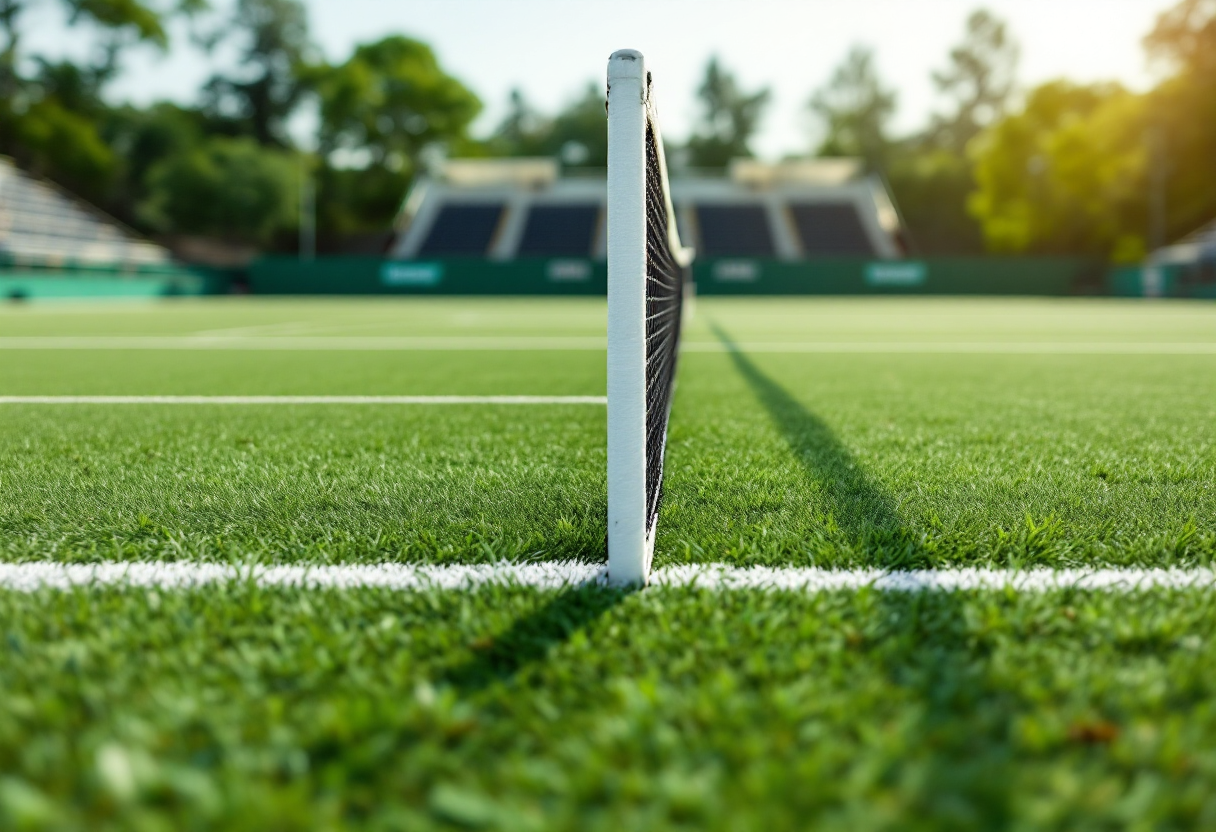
{"points": [[30, 577], [961, 347], [599, 400], [290, 342], [341, 343]]}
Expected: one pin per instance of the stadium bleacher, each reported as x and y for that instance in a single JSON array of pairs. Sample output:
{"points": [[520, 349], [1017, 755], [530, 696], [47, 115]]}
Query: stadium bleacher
{"points": [[504, 209], [41, 224]]}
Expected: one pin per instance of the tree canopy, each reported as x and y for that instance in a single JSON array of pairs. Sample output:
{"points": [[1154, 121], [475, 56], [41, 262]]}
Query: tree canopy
{"points": [[391, 100], [577, 135], [1065, 175], [729, 118], [979, 80], [855, 109], [274, 52], [1062, 168]]}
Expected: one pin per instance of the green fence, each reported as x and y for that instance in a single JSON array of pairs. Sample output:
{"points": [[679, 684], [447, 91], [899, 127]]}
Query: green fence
{"points": [[938, 276], [1174, 281], [22, 279], [278, 275], [373, 275], [734, 276]]}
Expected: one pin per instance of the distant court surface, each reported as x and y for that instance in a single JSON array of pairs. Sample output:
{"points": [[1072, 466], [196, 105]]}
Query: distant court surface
{"points": [[1044, 470]]}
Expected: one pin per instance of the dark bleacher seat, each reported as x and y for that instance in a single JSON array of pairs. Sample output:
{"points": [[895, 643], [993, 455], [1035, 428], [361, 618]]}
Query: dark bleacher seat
{"points": [[560, 231], [830, 229], [734, 231], [464, 228]]}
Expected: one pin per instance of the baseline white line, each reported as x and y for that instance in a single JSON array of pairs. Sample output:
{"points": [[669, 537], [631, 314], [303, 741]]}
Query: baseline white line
{"points": [[961, 347], [340, 343], [314, 343], [245, 400], [30, 577]]}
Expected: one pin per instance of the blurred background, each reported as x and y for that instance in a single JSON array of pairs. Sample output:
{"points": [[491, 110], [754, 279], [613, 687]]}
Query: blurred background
{"points": [[152, 147]]}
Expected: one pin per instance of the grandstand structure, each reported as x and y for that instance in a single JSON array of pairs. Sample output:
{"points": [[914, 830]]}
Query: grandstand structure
{"points": [[507, 209], [43, 226], [1196, 251]]}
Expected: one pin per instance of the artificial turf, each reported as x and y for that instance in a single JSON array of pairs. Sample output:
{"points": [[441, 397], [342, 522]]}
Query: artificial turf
{"points": [[825, 459], [242, 708], [237, 707]]}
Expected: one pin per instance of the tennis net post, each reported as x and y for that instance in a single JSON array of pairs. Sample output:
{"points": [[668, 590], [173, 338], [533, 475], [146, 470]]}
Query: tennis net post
{"points": [[647, 275]]}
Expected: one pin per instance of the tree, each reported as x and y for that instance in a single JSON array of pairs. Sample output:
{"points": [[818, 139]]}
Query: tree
{"points": [[120, 19], [275, 48], [729, 118], [979, 79], [931, 186], [226, 187], [1066, 175], [49, 119], [391, 100], [1184, 38], [855, 108], [578, 135], [1182, 113], [54, 141], [523, 131]]}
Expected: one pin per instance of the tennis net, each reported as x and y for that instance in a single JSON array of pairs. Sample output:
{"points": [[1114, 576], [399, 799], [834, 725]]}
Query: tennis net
{"points": [[647, 275]]}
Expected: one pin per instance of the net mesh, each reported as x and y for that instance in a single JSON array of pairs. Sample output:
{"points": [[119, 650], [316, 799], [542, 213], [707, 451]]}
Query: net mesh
{"points": [[664, 297]]}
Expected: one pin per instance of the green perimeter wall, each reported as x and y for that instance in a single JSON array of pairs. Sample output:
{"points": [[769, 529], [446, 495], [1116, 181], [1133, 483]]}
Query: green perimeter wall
{"points": [[853, 276], [278, 275], [453, 276], [937, 276]]}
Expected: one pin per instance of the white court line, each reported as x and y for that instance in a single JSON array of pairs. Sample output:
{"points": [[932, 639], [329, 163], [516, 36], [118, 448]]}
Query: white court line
{"points": [[30, 577], [962, 347], [509, 400], [339, 343], [290, 342]]}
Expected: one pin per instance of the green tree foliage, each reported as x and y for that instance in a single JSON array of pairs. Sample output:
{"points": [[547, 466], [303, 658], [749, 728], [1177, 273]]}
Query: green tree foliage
{"points": [[380, 110], [1182, 112], [523, 131], [141, 137], [931, 186], [48, 121], [578, 135], [580, 132], [227, 187], [855, 109], [979, 80], [358, 201], [1065, 175], [729, 118], [120, 19], [275, 47], [391, 100], [55, 141], [929, 173]]}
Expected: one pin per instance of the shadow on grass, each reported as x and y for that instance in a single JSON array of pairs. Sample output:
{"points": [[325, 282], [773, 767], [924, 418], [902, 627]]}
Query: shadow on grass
{"points": [[531, 638], [923, 640], [861, 510]]}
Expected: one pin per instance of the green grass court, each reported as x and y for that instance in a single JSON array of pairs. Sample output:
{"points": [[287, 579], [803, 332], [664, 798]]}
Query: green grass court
{"points": [[836, 433]]}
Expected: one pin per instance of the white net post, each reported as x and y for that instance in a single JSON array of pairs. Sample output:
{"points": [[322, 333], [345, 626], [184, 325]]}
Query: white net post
{"points": [[628, 549]]}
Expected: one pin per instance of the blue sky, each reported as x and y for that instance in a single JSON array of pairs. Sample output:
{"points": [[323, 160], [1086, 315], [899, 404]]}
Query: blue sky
{"points": [[552, 48]]}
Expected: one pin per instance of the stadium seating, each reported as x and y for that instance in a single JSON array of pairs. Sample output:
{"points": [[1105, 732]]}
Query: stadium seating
{"points": [[41, 224], [504, 209]]}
